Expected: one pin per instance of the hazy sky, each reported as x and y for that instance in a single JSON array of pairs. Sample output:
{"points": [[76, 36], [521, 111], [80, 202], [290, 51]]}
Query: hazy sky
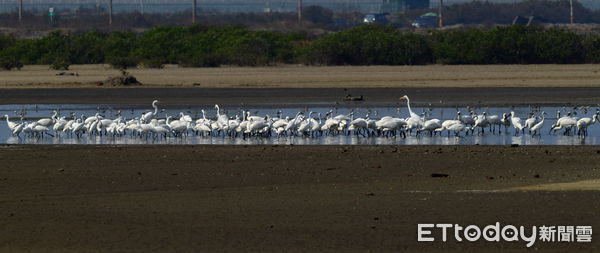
{"points": [[228, 5]]}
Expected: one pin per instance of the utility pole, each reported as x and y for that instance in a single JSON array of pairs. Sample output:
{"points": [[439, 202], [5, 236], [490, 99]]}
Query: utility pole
{"points": [[193, 11], [571, 4], [299, 10], [110, 10], [20, 11], [440, 16]]}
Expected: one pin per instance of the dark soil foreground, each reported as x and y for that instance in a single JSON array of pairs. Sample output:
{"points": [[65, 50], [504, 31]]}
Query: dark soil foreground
{"points": [[284, 198]]}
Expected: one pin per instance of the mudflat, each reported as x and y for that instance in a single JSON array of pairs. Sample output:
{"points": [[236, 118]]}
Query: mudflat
{"points": [[295, 76], [306, 97], [287, 198]]}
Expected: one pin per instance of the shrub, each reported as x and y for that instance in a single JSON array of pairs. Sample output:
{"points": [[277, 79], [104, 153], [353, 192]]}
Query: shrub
{"points": [[370, 45], [205, 60], [591, 48], [9, 63], [60, 64]]}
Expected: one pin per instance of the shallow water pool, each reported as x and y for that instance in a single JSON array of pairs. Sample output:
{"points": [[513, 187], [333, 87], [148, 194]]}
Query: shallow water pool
{"points": [[32, 112]]}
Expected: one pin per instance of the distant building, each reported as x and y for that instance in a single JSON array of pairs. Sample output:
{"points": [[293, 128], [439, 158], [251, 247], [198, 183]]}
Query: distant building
{"points": [[393, 6], [427, 20], [376, 18]]}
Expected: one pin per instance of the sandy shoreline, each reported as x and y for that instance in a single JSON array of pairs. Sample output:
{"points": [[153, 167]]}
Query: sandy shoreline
{"points": [[294, 76], [284, 198]]}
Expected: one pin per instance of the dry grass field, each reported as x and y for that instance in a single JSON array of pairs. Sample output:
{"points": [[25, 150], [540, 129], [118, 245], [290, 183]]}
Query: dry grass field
{"points": [[317, 77]]}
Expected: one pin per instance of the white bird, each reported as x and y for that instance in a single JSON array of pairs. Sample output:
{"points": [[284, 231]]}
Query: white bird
{"points": [[202, 128], [566, 122], [331, 125], [179, 127], [316, 125], [243, 125], [232, 124], [93, 126], [359, 125], [281, 122], [11, 125], [77, 127], [220, 117], [40, 130], [150, 115], [160, 131], [466, 119], [146, 128], [293, 125], [481, 122], [584, 123], [28, 127], [18, 128], [305, 125], [184, 117], [494, 120], [414, 120], [430, 125], [344, 117], [59, 125], [92, 119], [457, 128], [412, 114], [221, 121], [538, 126], [106, 122], [203, 120], [255, 125], [389, 125], [69, 124], [249, 116], [516, 122], [47, 121], [447, 124], [530, 122]]}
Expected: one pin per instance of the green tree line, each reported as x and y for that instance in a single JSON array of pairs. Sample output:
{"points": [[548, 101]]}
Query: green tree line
{"points": [[200, 46]]}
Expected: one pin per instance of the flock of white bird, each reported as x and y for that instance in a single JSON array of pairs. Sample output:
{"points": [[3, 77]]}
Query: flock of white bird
{"points": [[149, 125]]}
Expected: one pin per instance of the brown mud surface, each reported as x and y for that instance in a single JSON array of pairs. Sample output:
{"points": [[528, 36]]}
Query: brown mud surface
{"points": [[286, 198], [300, 97]]}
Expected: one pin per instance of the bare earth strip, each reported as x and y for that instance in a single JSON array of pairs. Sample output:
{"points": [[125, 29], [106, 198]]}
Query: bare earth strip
{"points": [[293, 76]]}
